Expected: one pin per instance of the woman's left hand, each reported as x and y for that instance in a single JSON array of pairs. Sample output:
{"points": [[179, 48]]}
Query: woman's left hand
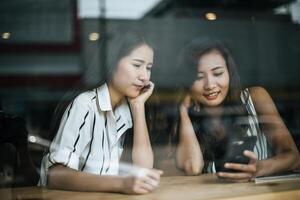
{"points": [[143, 96], [245, 172]]}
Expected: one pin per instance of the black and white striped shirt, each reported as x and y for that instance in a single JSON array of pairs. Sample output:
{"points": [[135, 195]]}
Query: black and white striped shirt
{"points": [[90, 137], [261, 147]]}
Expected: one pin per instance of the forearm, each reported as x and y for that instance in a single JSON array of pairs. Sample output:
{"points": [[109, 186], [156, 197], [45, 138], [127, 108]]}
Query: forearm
{"points": [[279, 163], [188, 155], [142, 153], [286, 152], [276, 132], [189, 159], [61, 177]]}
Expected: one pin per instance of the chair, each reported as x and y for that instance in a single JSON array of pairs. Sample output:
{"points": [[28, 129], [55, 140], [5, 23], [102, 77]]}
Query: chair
{"points": [[16, 165]]}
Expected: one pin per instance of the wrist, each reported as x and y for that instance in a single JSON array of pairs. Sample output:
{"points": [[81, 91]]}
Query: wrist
{"points": [[263, 168], [183, 110], [120, 183], [136, 106]]}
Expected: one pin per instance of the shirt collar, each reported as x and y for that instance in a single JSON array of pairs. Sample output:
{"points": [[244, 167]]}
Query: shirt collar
{"points": [[103, 98], [124, 112]]}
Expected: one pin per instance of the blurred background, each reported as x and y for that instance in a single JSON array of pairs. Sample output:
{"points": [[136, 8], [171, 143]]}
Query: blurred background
{"points": [[47, 47]]}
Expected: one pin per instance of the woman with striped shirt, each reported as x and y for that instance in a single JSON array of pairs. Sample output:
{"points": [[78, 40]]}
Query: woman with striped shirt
{"points": [[215, 105], [85, 153]]}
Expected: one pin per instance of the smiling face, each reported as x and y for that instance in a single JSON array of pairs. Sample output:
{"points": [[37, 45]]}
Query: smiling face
{"points": [[133, 72], [212, 83]]}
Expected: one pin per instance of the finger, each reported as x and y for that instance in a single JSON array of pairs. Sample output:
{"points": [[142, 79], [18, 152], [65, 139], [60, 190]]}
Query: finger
{"points": [[148, 91], [241, 167], [251, 155], [187, 100], [160, 172], [140, 190], [154, 174], [235, 176], [151, 84], [145, 184], [150, 181]]}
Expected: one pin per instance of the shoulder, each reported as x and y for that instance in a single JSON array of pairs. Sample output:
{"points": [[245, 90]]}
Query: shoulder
{"points": [[86, 98], [262, 100], [259, 94]]}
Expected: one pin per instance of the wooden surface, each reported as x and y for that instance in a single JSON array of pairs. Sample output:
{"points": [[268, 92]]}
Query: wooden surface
{"points": [[173, 188]]}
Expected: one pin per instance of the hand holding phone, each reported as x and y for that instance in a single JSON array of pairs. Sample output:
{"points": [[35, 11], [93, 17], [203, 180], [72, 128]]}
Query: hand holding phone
{"points": [[241, 172], [235, 153]]}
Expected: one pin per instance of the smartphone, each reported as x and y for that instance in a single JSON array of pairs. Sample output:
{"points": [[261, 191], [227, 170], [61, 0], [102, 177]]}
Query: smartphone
{"points": [[234, 153]]}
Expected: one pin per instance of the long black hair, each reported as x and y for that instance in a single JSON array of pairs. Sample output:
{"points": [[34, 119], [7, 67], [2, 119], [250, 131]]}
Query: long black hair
{"points": [[213, 138]]}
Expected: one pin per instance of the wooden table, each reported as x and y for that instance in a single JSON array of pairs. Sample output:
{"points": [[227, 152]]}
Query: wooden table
{"points": [[173, 188]]}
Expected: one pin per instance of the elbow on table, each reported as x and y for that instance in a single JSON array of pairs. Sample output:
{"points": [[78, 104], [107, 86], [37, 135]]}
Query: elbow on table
{"points": [[192, 169], [296, 161], [56, 177], [53, 182]]}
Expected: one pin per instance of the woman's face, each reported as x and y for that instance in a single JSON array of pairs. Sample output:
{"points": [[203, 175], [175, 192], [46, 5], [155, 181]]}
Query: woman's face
{"points": [[133, 72], [212, 83]]}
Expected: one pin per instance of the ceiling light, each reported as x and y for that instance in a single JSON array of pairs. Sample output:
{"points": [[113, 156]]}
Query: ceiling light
{"points": [[32, 139], [6, 35], [94, 36], [211, 16]]}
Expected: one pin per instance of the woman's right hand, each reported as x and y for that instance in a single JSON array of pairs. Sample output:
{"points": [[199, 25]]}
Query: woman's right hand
{"points": [[144, 182], [187, 102], [245, 172], [143, 96]]}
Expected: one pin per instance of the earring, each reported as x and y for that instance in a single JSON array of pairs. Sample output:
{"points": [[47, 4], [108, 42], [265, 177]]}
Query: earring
{"points": [[196, 107]]}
